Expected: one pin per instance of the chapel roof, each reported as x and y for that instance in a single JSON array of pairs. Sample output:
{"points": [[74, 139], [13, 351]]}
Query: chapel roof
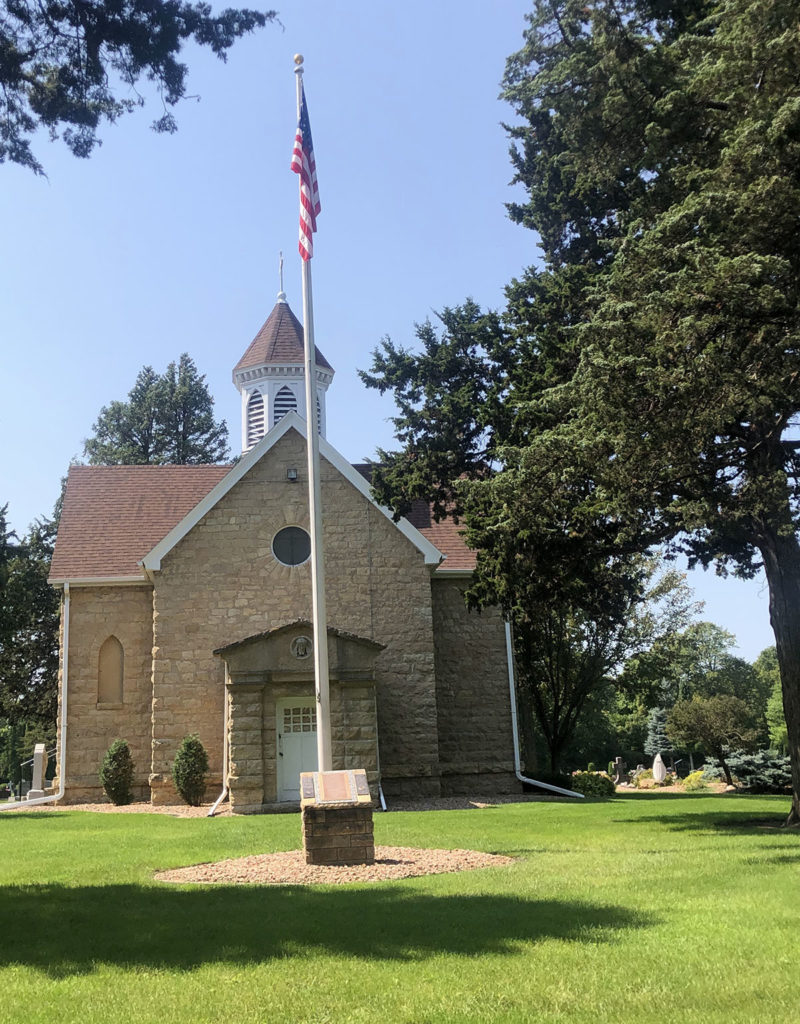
{"points": [[446, 535], [115, 515], [279, 341]]}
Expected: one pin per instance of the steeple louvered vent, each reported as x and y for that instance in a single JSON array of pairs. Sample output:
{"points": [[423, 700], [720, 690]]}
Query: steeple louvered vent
{"points": [[255, 419], [285, 401]]}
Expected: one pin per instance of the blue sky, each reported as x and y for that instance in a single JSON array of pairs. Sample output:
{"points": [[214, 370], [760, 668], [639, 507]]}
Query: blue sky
{"points": [[159, 245]]}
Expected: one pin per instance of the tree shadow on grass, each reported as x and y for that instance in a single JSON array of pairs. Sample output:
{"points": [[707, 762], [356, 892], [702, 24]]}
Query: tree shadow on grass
{"points": [[63, 931], [743, 820]]}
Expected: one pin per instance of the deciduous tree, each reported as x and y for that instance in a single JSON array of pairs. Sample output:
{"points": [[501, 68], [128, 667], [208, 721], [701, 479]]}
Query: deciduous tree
{"points": [[715, 724]]}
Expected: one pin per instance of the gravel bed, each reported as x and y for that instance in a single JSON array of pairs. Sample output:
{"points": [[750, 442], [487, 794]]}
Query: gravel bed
{"points": [[458, 803], [391, 862], [176, 810], [290, 868]]}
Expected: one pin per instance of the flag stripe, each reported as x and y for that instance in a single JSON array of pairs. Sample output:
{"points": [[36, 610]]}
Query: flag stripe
{"points": [[303, 163]]}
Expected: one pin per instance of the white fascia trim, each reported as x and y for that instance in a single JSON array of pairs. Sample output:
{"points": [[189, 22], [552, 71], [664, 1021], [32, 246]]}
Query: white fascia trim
{"points": [[433, 556], [291, 421], [101, 581], [279, 371]]}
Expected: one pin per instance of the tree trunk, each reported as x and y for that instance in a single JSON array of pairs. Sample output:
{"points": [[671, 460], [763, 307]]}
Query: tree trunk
{"points": [[781, 556], [726, 770]]}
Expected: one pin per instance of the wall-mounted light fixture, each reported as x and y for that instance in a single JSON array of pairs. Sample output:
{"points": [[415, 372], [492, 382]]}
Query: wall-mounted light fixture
{"points": [[291, 474]]}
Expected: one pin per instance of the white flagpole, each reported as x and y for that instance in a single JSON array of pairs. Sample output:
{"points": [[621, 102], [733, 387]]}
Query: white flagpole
{"points": [[321, 683]]}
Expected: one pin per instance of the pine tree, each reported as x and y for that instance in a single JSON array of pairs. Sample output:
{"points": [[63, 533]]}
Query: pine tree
{"points": [[69, 67], [657, 741], [167, 419], [29, 614], [660, 147]]}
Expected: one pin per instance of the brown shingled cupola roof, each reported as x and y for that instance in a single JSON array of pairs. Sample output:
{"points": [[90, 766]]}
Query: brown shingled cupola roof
{"points": [[279, 341]]}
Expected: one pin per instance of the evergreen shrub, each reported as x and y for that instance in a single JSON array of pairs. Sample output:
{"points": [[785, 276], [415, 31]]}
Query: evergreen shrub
{"points": [[189, 770], [593, 784], [116, 773], [694, 782], [763, 771]]}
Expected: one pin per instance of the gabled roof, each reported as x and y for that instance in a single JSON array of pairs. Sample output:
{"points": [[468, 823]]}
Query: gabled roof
{"points": [[117, 517], [280, 341], [113, 515], [289, 626], [291, 421], [446, 535]]}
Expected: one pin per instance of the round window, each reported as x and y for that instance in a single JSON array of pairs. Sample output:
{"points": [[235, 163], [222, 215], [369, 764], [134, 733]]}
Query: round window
{"points": [[291, 546]]}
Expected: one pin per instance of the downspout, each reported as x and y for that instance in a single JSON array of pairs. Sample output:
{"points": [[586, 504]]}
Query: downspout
{"points": [[515, 729], [224, 792], [381, 797], [62, 775]]}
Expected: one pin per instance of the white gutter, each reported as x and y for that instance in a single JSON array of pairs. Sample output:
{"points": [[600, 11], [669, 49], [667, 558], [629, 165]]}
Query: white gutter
{"points": [[381, 797], [514, 726], [224, 792], [21, 805]]}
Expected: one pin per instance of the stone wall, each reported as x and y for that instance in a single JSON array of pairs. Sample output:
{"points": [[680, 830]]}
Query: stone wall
{"points": [[96, 613], [473, 702], [221, 584], [253, 769]]}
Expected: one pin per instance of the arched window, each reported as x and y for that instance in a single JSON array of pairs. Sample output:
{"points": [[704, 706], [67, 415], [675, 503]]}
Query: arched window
{"points": [[110, 670], [284, 402], [255, 419]]}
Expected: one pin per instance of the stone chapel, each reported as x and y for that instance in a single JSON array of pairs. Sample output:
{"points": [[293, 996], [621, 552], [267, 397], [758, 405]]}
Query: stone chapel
{"points": [[186, 607]]}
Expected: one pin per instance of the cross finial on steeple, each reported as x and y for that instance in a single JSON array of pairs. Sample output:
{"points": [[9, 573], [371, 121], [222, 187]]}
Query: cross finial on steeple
{"points": [[281, 293]]}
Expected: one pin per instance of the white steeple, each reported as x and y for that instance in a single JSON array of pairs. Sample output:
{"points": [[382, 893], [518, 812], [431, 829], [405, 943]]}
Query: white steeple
{"points": [[270, 376]]}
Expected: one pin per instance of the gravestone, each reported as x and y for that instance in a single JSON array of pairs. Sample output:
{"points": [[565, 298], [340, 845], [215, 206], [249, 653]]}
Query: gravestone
{"points": [[659, 769], [39, 769], [621, 777], [336, 809]]}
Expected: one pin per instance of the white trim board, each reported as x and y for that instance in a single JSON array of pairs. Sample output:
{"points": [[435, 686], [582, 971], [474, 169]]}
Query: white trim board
{"points": [[101, 581], [291, 421]]}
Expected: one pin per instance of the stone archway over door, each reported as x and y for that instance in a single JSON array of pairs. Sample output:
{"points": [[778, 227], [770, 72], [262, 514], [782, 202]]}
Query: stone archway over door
{"points": [[296, 732], [271, 671]]}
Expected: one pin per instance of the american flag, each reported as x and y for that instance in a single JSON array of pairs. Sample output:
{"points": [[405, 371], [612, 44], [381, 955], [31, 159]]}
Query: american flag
{"points": [[304, 165]]}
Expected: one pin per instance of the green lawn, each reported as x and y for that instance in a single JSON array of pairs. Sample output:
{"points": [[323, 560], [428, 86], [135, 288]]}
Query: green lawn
{"points": [[640, 909]]}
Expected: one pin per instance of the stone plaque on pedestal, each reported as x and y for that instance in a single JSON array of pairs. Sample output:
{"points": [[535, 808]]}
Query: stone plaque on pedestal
{"points": [[336, 809]]}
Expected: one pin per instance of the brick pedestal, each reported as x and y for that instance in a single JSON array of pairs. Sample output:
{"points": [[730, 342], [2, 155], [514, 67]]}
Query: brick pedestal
{"points": [[338, 834]]}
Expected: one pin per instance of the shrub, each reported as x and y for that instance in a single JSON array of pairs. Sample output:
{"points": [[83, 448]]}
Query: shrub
{"points": [[694, 782], [764, 771], [189, 770], [592, 784], [116, 773]]}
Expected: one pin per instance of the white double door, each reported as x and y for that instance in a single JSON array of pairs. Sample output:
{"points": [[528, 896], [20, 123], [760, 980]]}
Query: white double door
{"points": [[296, 728]]}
